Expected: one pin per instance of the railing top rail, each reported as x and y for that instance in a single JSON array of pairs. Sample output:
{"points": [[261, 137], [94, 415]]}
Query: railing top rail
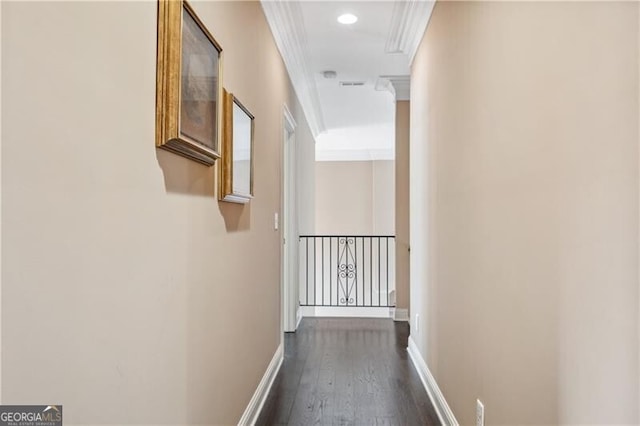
{"points": [[347, 236]]}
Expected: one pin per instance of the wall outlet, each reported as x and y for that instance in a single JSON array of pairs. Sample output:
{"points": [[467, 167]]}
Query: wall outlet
{"points": [[479, 413], [417, 323], [276, 221]]}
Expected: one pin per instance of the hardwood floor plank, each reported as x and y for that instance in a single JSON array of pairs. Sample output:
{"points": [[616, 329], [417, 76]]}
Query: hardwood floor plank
{"points": [[348, 371]]}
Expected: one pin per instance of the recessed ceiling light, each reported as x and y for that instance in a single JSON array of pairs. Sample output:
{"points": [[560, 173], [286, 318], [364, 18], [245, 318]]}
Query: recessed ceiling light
{"points": [[347, 19]]}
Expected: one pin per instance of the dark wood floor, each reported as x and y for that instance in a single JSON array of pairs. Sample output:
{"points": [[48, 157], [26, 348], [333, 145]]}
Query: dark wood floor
{"points": [[346, 371]]}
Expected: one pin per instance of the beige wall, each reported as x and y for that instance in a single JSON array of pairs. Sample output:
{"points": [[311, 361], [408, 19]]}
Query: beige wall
{"points": [[402, 204], [524, 203], [125, 284], [383, 196], [355, 198]]}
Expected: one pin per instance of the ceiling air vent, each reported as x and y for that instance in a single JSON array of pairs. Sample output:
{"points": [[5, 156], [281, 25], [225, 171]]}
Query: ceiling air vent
{"points": [[351, 83]]}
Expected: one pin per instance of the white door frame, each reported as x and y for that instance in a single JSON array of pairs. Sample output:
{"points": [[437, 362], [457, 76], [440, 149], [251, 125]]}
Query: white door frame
{"points": [[289, 229]]}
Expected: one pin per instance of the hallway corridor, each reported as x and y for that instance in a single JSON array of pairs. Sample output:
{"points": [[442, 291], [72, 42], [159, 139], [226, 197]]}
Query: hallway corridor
{"points": [[347, 371]]}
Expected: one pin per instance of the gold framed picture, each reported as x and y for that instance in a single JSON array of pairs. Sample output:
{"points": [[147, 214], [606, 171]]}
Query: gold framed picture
{"points": [[236, 169], [188, 84]]}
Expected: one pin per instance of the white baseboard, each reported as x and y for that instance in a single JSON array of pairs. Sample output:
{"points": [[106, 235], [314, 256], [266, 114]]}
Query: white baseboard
{"points": [[437, 399], [259, 397], [298, 317], [401, 315], [344, 311]]}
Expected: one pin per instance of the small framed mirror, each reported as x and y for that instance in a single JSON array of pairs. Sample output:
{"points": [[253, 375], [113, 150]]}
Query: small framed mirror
{"points": [[236, 168]]}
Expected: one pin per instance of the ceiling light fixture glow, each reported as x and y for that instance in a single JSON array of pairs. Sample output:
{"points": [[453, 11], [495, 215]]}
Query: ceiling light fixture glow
{"points": [[347, 19]]}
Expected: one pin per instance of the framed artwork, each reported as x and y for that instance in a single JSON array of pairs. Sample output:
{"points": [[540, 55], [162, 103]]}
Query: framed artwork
{"points": [[188, 84], [236, 170]]}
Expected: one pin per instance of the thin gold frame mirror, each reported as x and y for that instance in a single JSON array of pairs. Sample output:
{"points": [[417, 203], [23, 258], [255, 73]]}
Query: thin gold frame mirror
{"points": [[236, 167], [188, 84]]}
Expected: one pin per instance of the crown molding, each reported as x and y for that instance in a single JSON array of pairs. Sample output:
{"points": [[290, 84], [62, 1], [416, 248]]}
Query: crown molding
{"points": [[398, 85], [287, 26], [384, 85], [355, 154], [408, 24]]}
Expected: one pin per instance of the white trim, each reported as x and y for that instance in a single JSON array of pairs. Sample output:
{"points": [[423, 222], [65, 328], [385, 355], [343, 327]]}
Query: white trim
{"points": [[289, 122], [401, 86], [398, 85], [347, 312], [384, 85], [256, 403], [355, 154], [289, 228], [299, 316], [437, 399], [401, 315], [408, 24], [288, 30]]}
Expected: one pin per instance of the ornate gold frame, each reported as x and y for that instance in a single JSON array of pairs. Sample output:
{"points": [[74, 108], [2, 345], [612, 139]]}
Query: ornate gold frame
{"points": [[168, 85], [225, 192]]}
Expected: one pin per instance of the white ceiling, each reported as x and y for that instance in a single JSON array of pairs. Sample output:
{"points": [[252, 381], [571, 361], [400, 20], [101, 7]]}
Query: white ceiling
{"points": [[350, 123]]}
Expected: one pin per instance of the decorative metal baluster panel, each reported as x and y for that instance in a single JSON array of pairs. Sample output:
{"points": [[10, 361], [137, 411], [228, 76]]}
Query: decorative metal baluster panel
{"points": [[347, 271]]}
